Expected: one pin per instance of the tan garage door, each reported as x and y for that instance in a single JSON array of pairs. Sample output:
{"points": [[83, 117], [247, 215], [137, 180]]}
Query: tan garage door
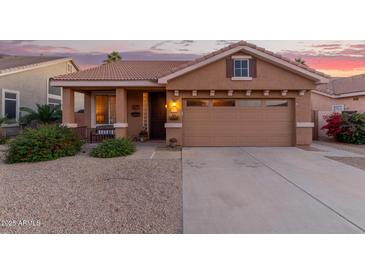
{"points": [[238, 122]]}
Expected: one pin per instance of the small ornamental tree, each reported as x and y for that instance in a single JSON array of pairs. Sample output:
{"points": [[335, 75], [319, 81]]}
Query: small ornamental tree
{"points": [[333, 125]]}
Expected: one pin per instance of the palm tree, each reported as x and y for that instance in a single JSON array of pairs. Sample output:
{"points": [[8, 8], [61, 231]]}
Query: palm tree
{"points": [[300, 61], [44, 114], [112, 57]]}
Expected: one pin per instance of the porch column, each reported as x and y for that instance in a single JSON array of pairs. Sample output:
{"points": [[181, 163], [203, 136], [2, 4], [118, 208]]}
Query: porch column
{"points": [[68, 108], [174, 116], [121, 113], [87, 109]]}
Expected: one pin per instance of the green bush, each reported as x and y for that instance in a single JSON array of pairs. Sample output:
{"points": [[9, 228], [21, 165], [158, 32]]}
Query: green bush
{"points": [[45, 143], [114, 148]]}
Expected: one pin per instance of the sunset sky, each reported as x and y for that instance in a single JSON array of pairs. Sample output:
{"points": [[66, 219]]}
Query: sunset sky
{"points": [[336, 58]]}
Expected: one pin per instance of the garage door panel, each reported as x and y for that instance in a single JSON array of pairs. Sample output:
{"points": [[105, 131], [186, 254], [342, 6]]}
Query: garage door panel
{"points": [[239, 126]]}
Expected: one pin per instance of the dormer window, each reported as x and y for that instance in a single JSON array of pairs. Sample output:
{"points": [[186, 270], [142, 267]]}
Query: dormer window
{"points": [[241, 68]]}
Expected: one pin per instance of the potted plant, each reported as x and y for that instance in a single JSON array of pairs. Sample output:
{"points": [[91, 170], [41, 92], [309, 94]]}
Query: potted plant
{"points": [[174, 117], [143, 135], [172, 142]]}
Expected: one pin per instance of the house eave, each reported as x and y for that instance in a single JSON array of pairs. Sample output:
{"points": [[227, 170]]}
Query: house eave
{"points": [[92, 83], [338, 96]]}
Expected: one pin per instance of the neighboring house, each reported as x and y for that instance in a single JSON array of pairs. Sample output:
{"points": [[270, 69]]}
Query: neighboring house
{"points": [[340, 94], [241, 95], [24, 82]]}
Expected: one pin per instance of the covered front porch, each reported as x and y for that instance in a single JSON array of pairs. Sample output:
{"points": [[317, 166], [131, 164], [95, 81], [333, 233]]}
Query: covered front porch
{"points": [[116, 112]]}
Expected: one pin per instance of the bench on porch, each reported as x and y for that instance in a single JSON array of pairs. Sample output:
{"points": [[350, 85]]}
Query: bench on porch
{"points": [[101, 133]]}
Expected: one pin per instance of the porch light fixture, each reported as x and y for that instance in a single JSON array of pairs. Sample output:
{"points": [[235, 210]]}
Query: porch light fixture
{"points": [[173, 108]]}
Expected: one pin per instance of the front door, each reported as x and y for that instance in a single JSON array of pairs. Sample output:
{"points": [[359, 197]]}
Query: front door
{"points": [[157, 115]]}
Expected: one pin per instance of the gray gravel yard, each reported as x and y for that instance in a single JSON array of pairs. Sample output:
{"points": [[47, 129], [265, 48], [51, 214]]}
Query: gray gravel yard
{"points": [[87, 195]]}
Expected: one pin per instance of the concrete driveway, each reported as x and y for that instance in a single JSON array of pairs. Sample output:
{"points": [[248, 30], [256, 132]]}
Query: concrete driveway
{"points": [[271, 190]]}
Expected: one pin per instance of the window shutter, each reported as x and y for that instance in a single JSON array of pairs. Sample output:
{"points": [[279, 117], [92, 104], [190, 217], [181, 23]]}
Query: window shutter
{"points": [[229, 67], [253, 69]]}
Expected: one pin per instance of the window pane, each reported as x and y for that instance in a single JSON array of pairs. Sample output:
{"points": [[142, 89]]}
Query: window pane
{"points": [[9, 95], [249, 103], [101, 109], [237, 73], [237, 64], [112, 112], [277, 103], [10, 109], [244, 63], [224, 103], [197, 103], [54, 90], [54, 101], [244, 72]]}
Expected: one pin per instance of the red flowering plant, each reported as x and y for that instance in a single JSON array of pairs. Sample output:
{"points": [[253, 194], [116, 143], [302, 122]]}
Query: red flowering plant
{"points": [[333, 125]]}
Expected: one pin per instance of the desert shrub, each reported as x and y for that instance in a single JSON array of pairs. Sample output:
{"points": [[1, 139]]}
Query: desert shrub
{"points": [[45, 143], [114, 148], [346, 127]]}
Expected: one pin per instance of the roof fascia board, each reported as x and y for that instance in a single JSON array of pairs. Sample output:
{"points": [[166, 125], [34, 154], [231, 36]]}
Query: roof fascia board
{"points": [[283, 63], [35, 66], [91, 83], [263, 55], [350, 94]]}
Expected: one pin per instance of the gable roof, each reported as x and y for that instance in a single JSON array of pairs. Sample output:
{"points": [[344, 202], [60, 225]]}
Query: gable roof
{"points": [[13, 64], [123, 71], [344, 86], [252, 49]]}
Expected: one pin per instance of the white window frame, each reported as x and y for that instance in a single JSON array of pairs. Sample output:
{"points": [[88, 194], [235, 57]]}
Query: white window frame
{"points": [[17, 93], [241, 58], [342, 107], [52, 96]]}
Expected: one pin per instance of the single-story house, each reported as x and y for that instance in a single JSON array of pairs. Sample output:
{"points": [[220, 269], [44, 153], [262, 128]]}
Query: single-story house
{"points": [[241, 95], [24, 82], [338, 95]]}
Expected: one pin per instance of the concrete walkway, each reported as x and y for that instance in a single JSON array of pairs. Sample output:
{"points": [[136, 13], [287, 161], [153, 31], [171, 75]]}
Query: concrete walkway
{"points": [[271, 190]]}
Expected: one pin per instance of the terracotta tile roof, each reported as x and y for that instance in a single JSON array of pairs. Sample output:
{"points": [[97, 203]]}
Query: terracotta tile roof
{"points": [[10, 63], [152, 70], [338, 86], [124, 71]]}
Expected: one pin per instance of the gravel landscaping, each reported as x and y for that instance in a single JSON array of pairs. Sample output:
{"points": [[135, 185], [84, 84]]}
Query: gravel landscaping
{"points": [[358, 162], [82, 194]]}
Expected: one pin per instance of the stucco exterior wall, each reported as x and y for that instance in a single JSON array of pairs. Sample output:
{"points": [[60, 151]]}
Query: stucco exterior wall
{"points": [[135, 98], [32, 84], [213, 76], [324, 103]]}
